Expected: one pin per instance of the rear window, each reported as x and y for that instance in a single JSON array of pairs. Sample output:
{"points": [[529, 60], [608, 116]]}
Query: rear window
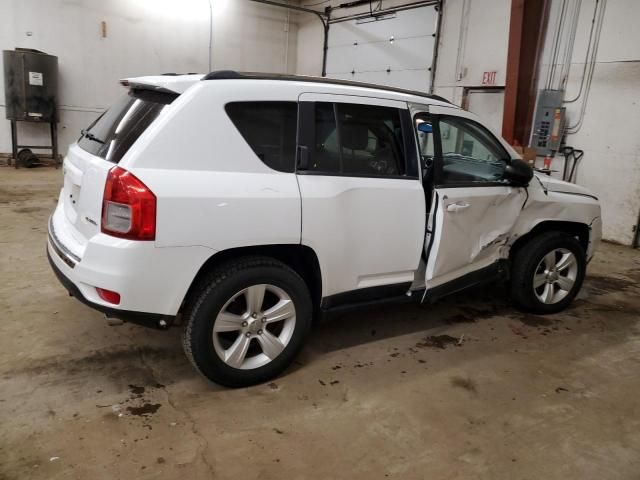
{"points": [[270, 130], [113, 133]]}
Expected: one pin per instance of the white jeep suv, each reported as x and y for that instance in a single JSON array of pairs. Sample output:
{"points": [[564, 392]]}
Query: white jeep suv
{"points": [[248, 204]]}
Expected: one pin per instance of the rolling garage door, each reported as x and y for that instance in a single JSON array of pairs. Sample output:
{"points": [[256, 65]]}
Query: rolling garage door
{"points": [[395, 49]]}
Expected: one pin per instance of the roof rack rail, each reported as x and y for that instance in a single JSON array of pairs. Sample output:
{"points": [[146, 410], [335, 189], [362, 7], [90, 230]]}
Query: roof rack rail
{"points": [[234, 75]]}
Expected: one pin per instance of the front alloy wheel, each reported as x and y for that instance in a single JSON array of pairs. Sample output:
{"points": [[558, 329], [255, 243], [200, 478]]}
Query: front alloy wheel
{"points": [[547, 272], [555, 276]]}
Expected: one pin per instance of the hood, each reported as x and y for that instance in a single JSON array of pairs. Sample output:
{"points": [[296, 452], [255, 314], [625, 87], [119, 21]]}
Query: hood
{"points": [[560, 186]]}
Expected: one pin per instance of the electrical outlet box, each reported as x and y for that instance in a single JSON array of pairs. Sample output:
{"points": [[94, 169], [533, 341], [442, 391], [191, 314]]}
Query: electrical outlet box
{"points": [[548, 125]]}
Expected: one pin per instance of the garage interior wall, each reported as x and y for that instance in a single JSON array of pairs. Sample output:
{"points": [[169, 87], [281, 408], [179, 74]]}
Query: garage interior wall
{"points": [[168, 36], [310, 32], [143, 37], [474, 39], [609, 131], [395, 50], [474, 36]]}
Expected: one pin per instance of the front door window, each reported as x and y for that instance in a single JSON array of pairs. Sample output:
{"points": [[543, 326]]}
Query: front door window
{"points": [[470, 154]]}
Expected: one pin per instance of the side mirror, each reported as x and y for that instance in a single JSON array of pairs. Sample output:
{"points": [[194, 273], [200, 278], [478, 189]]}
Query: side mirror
{"points": [[518, 173]]}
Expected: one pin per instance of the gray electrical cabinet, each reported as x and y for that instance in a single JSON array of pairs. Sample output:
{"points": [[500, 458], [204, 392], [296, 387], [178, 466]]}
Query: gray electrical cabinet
{"points": [[548, 125]]}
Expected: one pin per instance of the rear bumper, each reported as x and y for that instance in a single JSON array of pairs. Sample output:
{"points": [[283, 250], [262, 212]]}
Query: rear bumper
{"points": [[153, 320], [152, 281]]}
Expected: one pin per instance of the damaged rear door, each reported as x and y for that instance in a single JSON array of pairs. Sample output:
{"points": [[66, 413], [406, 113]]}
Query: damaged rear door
{"points": [[473, 209]]}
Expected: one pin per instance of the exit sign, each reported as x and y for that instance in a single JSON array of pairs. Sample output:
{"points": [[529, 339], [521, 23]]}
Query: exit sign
{"points": [[489, 78]]}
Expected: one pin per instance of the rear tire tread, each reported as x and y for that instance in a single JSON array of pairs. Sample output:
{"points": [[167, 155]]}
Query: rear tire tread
{"points": [[206, 287]]}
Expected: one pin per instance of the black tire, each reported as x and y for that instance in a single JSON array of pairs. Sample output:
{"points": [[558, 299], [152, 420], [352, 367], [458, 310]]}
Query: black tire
{"points": [[210, 296], [525, 264]]}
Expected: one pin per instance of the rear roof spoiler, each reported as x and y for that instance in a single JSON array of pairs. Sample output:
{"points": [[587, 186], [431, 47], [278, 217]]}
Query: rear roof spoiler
{"points": [[146, 86], [168, 83]]}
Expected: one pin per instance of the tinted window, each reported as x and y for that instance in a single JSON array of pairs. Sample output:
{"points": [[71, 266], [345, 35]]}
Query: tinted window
{"points": [[113, 133], [326, 157], [270, 130], [469, 152], [358, 140]]}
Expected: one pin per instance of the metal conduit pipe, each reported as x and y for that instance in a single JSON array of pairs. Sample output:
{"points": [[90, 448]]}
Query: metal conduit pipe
{"points": [[320, 15], [552, 47], [323, 17], [566, 41], [592, 65], [587, 55], [564, 77], [436, 44], [556, 45], [399, 8], [462, 38]]}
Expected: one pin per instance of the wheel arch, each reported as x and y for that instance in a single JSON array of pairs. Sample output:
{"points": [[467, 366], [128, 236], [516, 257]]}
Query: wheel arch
{"points": [[576, 229], [301, 258]]}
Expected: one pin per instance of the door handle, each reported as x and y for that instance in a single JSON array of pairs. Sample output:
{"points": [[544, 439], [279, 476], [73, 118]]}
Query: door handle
{"points": [[456, 207], [303, 158]]}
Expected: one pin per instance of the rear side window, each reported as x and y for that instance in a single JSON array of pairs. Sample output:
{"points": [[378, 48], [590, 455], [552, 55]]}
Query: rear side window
{"points": [[270, 130], [359, 140], [113, 133]]}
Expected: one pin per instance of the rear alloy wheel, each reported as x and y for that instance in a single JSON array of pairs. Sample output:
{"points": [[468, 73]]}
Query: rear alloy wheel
{"points": [[254, 326], [547, 272], [246, 321]]}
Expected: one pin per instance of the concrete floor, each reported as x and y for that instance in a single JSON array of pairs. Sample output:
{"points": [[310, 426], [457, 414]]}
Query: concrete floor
{"points": [[467, 388]]}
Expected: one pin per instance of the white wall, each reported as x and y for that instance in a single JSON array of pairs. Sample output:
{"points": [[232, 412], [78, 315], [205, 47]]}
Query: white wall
{"points": [[309, 45], [395, 51], [474, 39], [311, 34], [483, 46], [143, 37], [152, 36], [610, 134]]}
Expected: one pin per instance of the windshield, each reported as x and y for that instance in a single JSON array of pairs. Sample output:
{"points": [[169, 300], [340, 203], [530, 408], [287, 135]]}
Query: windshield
{"points": [[113, 133]]}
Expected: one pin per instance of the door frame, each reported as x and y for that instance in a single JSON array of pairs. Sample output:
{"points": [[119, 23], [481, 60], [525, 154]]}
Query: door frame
{"points": [[479, 89], [467, 91], [338, 289], [490, 271]]}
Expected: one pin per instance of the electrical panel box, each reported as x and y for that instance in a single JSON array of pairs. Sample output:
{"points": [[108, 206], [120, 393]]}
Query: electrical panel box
{"points": [[548, 125]]}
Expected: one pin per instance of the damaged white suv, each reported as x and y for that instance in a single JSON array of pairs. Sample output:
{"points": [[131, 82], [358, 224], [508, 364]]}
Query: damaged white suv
{"points": [[245, 205]]}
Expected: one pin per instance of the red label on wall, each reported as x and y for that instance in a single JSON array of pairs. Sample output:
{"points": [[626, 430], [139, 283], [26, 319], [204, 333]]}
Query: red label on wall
{"points": [[489, 78]]}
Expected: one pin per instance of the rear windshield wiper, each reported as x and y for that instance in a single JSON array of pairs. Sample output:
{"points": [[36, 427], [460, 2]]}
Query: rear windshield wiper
{"points": [[91, 136]]}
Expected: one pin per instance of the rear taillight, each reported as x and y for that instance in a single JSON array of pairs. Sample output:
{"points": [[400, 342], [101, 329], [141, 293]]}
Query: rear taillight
{"points": [[128, 207]]}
